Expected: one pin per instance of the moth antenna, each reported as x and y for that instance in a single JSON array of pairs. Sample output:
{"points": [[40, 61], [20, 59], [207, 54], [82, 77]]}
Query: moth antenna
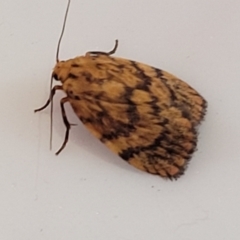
{"points": [[51, 116], [63, 28]]}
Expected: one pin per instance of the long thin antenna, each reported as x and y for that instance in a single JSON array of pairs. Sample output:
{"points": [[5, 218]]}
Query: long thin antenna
{"points": [[63, 28], [51, 115]]}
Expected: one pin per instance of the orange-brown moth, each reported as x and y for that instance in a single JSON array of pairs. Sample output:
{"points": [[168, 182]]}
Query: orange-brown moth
{"points": [[145, 115]]}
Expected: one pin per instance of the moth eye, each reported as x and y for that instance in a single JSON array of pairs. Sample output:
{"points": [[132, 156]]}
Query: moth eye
{"points": [[55, 76]]}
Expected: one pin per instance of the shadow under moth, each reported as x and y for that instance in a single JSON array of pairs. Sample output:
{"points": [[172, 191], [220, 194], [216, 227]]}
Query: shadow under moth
{"points": [[145, 115]]}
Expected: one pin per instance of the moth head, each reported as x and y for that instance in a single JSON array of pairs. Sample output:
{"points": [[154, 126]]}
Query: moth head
{"points": [[61, 71]]}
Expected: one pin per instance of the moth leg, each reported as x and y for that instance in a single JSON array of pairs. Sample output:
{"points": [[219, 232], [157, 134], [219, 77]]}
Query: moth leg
{"points": [[66, 123], [104, 53], [53, 91], [114, 49]]}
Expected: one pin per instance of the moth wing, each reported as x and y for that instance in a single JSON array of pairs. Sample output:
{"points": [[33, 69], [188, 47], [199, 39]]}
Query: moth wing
{"points": [[143, 114], [177, 92]]}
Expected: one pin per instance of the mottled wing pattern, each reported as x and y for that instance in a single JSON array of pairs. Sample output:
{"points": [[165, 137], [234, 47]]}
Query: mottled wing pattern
{"points": [[145, 115]]}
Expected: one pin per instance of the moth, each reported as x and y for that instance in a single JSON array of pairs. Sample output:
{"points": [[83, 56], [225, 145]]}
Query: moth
{"points": [[146, 115]]}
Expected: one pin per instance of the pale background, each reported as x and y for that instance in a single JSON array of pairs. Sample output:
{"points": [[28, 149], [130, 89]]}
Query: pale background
{"points": [[87, 192]]}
